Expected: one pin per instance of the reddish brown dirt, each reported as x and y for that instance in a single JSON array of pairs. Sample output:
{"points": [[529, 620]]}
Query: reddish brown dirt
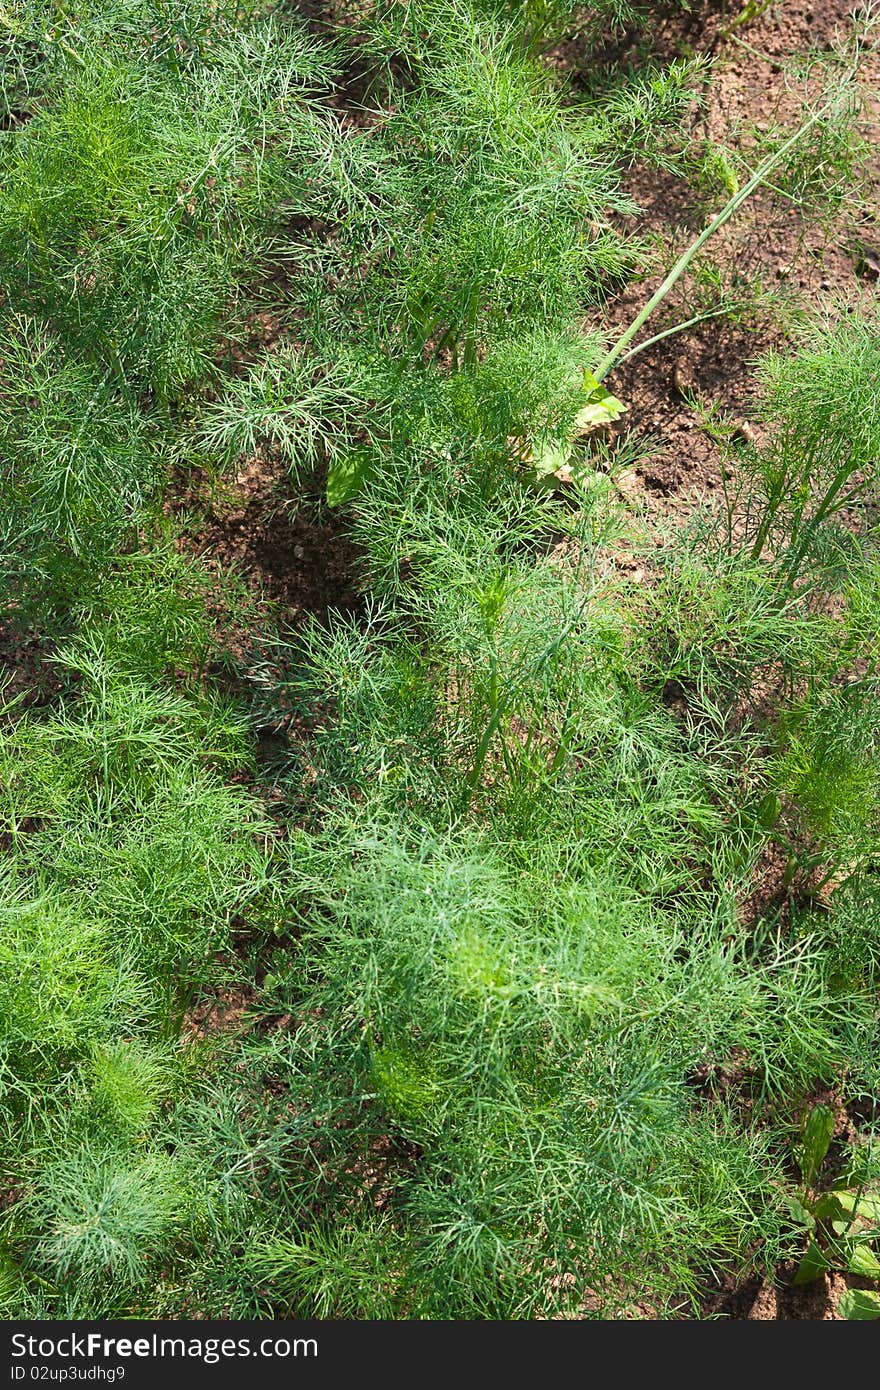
{"points": [[289, 562], [28, 677], [760, 1300], [293, 556], [801, 266], [222, 1011]]}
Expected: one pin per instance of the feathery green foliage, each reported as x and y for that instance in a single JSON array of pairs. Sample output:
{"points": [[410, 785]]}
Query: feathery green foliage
{"points": [[489, 994]]}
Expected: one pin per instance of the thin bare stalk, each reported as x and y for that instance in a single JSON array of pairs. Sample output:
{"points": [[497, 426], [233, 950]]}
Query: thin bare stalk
{"points": [[682, 327], [732, 206]]}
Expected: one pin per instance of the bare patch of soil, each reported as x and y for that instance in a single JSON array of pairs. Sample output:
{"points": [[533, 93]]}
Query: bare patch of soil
{"points": [[293, 556], [28, 678], [763, 1300], [769, 897], [798, 264], [224, 1011]]}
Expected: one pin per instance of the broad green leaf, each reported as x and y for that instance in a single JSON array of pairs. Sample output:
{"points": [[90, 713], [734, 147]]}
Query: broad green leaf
{"points": [[866, 1204], [828, 1207], [859, 1304], [812, 1265], [549, 456], [601, 409], [818, 1133], [602, 412], [345, 477], [801, 1213], [862, 1260]]}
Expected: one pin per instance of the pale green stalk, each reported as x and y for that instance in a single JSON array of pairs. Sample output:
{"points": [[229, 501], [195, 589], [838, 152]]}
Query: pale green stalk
{"points": [[764, 169]]}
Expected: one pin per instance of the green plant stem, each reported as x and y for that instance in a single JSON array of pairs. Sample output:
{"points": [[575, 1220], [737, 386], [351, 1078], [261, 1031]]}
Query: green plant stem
{"points": [[730, 208], [10, 25], [682, 327], [501, 700], [755, 52], [71, 52], [774, 502], [753, 10], [831, 502]]}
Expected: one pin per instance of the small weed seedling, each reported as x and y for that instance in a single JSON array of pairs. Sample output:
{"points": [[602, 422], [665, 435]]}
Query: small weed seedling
{"points": [[843, 1223]]}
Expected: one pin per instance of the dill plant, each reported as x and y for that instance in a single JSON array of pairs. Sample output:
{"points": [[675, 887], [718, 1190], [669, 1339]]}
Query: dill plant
{"points": [[140, 189], [139, 197], [497, 1032], [102, 1220], [132, 858], [820, 405], [465, 975], [495, 933], [472, 222]]}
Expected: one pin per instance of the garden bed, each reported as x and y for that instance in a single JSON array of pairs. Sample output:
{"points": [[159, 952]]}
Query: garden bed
{"points": [[440, 767]]}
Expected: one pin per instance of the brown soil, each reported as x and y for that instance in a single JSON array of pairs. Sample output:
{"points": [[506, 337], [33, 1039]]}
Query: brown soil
{"points": [[801, 266], [293, 556], [227, 1010], [760, 1300], [28, 677]]}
